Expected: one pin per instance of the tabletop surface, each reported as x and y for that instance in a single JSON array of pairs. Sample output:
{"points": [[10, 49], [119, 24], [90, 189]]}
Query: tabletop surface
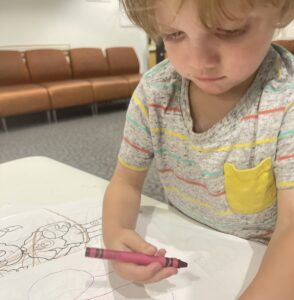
{"points": [[36, 192], [41, 180]]}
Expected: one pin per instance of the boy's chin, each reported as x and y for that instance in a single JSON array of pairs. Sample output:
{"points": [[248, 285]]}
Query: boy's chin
{"points": [[215, 91]]}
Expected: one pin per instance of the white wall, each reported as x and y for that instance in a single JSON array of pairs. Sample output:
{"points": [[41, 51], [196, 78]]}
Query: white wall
{"points": [[286, 33], [77, 23]]}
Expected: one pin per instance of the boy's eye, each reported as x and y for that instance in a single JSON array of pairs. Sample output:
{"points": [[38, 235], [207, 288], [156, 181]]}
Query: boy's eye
{"points": [[174, 36], [230, 33]]}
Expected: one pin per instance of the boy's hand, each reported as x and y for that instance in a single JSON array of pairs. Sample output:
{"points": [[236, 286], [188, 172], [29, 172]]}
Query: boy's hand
{"points": [[129, 240]]}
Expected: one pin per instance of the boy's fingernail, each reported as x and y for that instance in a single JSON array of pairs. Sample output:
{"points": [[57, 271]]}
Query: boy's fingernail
{"points": [[150, 249]]}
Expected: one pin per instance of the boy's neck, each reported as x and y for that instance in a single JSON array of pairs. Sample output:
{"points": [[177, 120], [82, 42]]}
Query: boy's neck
{"points": [[207, 110]]}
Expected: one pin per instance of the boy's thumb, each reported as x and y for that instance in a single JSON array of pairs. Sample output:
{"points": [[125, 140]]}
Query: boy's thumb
{"points": [[137, 244]]}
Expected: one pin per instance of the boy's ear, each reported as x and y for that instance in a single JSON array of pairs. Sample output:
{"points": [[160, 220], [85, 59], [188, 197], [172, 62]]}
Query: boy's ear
{"points": [[287, 16]]}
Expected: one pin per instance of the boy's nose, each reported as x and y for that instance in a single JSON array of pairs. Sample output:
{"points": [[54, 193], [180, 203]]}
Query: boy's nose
{"points": [[204, 55]]}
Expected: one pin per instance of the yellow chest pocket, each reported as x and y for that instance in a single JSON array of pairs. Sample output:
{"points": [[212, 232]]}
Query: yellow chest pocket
{"points": [[252, 190]]}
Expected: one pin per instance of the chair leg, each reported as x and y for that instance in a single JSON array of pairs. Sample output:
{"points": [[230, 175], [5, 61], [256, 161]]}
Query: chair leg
{"points": [[4, 124], [48, 116], [93, 109], [127, 102], [54, 114]]}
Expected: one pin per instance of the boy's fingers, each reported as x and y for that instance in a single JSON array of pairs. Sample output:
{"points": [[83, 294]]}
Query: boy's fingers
{"points": [[137, 244], [152, 273], [141, 274], [136, 273], [161, 252], [162, 274], [144, 274]]}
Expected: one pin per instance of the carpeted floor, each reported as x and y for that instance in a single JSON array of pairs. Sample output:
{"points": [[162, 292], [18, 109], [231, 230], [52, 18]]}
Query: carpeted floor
{"points": [[87, 142]]}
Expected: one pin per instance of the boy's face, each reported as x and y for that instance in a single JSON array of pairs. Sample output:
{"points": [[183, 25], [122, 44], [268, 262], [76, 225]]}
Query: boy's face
{"points": [[216, 62]]}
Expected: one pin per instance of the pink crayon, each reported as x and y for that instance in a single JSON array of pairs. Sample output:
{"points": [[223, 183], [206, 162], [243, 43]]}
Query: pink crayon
{"points": [[134, 257]]}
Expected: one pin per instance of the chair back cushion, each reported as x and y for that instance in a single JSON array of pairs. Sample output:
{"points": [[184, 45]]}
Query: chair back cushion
{"points": [[47, 65], [122, 60], [288, 44], [88, 62], [13, 69]]}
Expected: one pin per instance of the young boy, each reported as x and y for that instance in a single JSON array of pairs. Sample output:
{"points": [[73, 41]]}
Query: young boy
{"points": [[218, 118]]}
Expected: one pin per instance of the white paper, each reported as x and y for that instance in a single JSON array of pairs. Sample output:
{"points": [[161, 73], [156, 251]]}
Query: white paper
{"points": [[42, 257]]}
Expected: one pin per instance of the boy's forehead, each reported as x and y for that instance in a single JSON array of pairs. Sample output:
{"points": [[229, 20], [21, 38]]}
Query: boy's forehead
{"points": [[174, 7], [169, 12]]}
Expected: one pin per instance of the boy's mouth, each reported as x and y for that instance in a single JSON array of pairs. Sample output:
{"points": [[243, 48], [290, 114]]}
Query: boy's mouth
{"points": [[209, 78]]}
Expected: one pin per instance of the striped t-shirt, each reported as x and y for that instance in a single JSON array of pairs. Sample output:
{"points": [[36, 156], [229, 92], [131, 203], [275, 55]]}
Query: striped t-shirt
{"points": [[226, 177]]}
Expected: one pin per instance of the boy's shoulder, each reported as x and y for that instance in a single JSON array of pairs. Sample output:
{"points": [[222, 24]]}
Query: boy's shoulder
{"points": [[281, 81], [162, 76], [160, 84], [286, 64]]}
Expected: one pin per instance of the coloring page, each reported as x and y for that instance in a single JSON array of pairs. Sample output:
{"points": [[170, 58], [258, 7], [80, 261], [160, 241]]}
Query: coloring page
{"points": [[42, 253], [45, 234]]}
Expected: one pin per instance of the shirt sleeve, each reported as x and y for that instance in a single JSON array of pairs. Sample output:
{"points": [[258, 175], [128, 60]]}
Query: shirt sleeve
{"points": [[136, 151], [284, 169]]}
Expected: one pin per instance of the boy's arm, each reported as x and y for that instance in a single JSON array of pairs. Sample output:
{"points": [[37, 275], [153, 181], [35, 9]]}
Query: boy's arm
{"points": [[121, 201], [275, 278], [120, 211]]}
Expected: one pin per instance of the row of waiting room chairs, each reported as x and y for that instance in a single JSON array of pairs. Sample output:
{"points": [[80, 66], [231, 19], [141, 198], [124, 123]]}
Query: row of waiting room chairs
{"points": [[51, 79]]}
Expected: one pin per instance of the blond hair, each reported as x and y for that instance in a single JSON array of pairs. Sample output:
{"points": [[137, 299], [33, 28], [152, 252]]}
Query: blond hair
{"points": [[211, 12]]}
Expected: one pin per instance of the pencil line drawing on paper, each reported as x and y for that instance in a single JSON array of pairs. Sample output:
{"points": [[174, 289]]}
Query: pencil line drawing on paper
{"points": [[58, 236], [77, 284], [6, 230], [45, 243], [50, 236], [71, 284]]}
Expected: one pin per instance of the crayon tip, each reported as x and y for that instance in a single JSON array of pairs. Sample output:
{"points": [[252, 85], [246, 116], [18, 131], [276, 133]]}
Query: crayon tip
{"points": [[182, 264]]}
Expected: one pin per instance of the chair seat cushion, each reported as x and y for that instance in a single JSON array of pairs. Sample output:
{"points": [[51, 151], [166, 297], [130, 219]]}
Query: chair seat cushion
{"points": [[21, 99], [69, 93], [133, 80], [110, 88]]}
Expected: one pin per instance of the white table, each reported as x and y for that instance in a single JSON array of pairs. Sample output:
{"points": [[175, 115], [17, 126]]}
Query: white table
{"points": [[40, 180], [220, 265]]}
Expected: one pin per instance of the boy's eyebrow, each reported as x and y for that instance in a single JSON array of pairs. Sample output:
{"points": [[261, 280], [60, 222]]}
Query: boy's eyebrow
{"points": [[166, 28]]}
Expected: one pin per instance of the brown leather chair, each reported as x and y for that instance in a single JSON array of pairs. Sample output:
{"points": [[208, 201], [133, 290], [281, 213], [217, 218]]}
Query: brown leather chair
{"points": [[91, 64], [288, 44], [17, 94], [88, 63], [123, 61], [49, 68]]}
